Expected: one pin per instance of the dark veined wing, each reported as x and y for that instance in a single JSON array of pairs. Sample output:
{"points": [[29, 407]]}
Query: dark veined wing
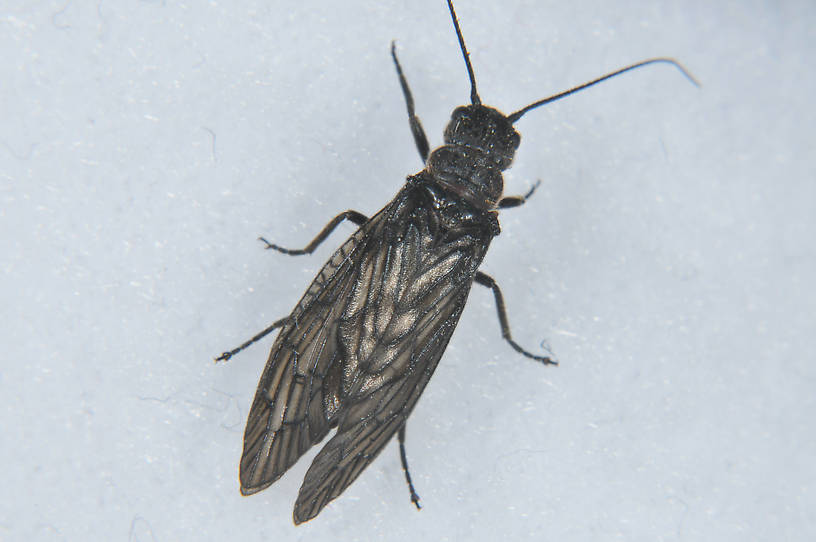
{"points": [[406, 298], [294, 406]]}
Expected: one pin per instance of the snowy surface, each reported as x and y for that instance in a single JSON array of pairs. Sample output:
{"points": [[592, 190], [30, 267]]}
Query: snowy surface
{"points": [[667, 260]]}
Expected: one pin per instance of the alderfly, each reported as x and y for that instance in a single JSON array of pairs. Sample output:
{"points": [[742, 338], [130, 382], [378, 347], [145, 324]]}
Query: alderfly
{"points": [[360, 346]]}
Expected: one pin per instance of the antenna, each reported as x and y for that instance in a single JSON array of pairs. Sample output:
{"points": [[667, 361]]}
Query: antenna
{"points": [[474, 96], [518, 114]]}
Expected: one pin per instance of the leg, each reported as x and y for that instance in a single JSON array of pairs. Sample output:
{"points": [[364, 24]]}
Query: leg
{"points": [[227, 355], [404, 460], [354, 216], [416, 126], [515, 201], [487, 280]]}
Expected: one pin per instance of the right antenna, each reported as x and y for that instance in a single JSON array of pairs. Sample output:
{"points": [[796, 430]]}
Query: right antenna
{"points": [[518, 114]]}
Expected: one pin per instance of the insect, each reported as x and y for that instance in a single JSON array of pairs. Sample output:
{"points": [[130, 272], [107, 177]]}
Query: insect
{"points": [[356, 352]]}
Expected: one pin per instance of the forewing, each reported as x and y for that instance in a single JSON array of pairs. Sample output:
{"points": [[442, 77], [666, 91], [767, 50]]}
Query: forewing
{"points": [[403, 308], [294, 407]]}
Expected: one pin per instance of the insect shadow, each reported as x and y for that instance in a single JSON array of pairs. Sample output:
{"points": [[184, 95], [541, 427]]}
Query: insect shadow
{"points": [[356, 352]]}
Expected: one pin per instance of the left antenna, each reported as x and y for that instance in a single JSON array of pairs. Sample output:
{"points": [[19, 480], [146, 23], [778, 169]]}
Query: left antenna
{"points": [[474, 95]]}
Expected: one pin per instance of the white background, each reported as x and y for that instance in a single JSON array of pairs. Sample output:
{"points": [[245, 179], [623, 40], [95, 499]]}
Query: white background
{"points": [[667, 260]]}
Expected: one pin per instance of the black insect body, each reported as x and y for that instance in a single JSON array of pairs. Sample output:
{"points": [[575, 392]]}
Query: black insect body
{"points": [[358, 349]]}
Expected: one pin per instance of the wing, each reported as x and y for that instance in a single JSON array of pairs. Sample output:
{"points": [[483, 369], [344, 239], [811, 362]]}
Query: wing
{"points": [[404, 304], [294, 406]]}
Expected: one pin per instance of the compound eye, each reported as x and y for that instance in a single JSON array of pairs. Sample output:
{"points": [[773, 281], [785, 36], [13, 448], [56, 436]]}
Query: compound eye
{"points": [[516, 140], [460, 114]]}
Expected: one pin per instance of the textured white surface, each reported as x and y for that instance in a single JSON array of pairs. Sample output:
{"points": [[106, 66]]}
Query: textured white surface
{"points": [[665, 260]]}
